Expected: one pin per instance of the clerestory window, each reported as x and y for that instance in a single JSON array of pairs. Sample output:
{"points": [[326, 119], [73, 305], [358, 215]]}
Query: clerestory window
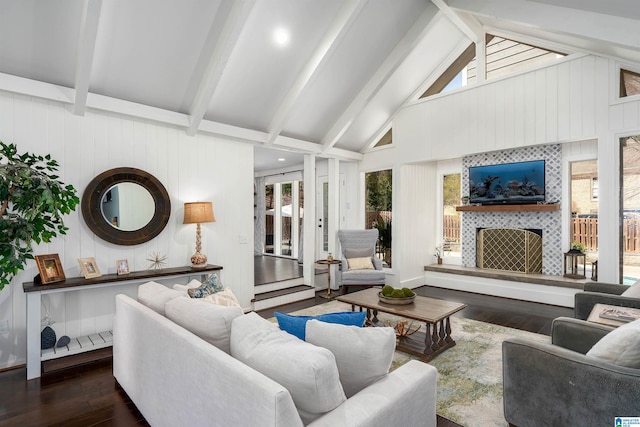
{"points": [[503, 57], [629, 83]]}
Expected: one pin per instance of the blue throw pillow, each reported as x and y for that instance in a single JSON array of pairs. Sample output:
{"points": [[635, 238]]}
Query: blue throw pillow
{"points": [[296, 325], [211, 286]]}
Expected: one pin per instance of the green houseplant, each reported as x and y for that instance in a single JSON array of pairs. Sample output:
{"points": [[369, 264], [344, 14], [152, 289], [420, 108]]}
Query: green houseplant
{"points": [[32, 202], [384, 237]]}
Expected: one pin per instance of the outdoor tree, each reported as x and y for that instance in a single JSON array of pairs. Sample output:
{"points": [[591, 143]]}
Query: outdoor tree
{"points": [[379, 190], [451, 189], [32, 203], [379, 187]]}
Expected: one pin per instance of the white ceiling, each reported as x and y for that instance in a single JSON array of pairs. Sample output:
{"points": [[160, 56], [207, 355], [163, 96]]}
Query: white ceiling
{"points": [[212, 66]]}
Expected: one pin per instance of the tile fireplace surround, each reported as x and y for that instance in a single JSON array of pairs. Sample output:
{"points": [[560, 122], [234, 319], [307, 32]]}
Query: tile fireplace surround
{"points": [[548, 221]]}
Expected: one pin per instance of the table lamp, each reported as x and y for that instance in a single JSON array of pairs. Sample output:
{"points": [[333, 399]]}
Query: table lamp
{"points": [[198, 213]]}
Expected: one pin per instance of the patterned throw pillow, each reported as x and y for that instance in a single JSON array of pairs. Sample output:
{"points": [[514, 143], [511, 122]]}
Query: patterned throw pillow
{"points": [[209, 287]]}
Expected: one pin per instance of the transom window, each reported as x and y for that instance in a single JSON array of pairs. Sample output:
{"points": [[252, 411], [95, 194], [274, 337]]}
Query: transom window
{"points": [[629, 83]]}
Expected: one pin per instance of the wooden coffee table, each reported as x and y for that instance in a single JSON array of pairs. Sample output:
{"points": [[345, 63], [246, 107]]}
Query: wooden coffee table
{"points": [[434, 312]]}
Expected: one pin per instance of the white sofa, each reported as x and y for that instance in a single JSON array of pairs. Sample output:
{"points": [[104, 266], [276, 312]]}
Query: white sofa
{"points": [[176, 378]]}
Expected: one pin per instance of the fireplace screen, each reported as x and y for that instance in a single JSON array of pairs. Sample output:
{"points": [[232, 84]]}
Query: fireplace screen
{"points": [[509, 249]]}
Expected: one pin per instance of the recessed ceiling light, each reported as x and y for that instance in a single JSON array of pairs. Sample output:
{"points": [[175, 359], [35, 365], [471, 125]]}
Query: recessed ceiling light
{"points": [[281, 37], [281, 159]]}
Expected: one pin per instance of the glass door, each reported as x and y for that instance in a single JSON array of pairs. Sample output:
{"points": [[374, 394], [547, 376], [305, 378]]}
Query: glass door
{"points": [[584, 209], [322, 237], [630, 208], [283, 218]]}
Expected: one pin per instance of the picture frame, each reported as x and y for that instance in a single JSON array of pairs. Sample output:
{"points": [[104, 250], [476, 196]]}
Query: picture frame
{"points": [[50, 268], [122, 267], [89, 268]]}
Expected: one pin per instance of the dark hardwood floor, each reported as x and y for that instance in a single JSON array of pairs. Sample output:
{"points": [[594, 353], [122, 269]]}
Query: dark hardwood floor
{"points": [[268, 269], [88, 395]]}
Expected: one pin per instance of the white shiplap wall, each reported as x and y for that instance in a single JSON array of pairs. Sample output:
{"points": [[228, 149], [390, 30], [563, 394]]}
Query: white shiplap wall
{"points": [[414, 222], [556, 103], [191, 169], [571, 100]]}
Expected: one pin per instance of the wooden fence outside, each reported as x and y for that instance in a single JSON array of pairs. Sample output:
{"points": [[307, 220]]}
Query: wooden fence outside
{"points": [[583, 230]]}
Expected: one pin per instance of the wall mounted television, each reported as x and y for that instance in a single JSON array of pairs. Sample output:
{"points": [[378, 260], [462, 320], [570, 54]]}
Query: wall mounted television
{"points": [[507, 183]]}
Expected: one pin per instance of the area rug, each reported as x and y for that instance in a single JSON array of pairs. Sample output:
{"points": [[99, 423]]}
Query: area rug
{"points": [[469, 374]]}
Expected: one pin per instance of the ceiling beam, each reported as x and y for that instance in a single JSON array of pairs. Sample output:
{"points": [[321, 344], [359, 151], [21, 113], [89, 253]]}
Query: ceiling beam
{"points": [[235, 20], [65, 95], [380, 77], [301, 146], [576, 22], [133, 109], [84, 57], [24, 86], [339, 27], [467, 24]]}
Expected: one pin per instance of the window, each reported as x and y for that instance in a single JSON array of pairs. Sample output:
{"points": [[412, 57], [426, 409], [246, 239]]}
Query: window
{"points": [[268, 223], [284, 202], [506, 56], [503, 56], [629, 83], [451, 217], [378, 192], [286, 213], [630, 208], [584, 207]]}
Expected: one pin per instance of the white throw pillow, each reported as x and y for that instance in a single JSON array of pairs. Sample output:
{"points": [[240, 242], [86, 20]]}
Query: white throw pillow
{"points": [[224, 298], [155, 296], [620, 346], [360, 263], [633, 291], [363, 355], [210, 322], [308, 372], [191, 285]]}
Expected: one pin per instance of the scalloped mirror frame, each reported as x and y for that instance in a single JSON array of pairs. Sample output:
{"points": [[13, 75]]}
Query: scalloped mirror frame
{"points": [[92, 212]]}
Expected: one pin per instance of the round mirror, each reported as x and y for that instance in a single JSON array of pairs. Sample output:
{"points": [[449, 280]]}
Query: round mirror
{"points": [[126, 206]]}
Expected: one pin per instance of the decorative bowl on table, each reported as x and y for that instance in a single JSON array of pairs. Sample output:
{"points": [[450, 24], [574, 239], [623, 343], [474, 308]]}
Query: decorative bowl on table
{"points": [[403, 296]]}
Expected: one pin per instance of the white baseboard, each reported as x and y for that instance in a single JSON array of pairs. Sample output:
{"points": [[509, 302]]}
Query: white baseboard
{"points": [[412, 283], [554, 295]]}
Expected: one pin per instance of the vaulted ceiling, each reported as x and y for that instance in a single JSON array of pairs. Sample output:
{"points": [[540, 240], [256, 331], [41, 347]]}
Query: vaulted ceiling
{"points": [[321, 76]]}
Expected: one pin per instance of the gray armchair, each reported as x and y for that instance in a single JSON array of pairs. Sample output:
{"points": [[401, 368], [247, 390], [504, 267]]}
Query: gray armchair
{"points": [[359, 244], [601, 293], [557, 385]]}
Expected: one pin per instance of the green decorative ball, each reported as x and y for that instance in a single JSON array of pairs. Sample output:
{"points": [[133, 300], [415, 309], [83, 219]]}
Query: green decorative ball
{"points": [[397, 293], [387, 290], [407, 292]]}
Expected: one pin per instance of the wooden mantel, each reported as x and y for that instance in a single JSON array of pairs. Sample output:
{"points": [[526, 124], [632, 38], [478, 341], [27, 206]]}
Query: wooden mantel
{"points": [[509, 208]]}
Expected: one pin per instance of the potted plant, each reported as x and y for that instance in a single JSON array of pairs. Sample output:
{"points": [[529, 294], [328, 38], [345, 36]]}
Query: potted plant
{"points": [[384, 236], [577, 247], [438, 253], [32, 202]]}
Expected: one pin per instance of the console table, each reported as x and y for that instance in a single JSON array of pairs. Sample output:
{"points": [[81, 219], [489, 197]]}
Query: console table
{"points": [[95, 341]]}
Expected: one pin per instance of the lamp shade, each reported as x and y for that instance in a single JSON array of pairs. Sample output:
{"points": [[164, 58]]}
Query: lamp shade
{"points": [[198, 213]]}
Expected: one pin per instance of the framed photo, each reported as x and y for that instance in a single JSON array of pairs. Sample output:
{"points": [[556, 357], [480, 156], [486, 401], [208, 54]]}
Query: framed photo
{"points": [[122, 266], [50, 268], [89, 268]]}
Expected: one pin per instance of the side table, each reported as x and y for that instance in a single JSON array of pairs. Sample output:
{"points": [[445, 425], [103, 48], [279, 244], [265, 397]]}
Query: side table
{"points": [[613, 315], [328, 264]]}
